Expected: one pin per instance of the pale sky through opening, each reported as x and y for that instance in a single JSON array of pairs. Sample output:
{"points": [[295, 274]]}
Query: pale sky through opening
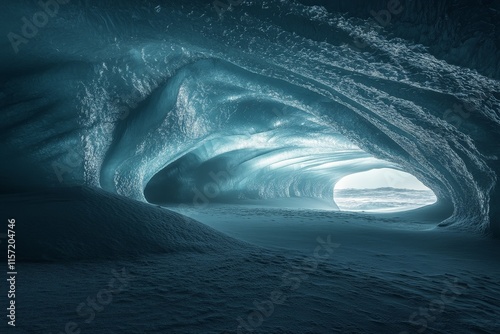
{"points": [[380, 178]]}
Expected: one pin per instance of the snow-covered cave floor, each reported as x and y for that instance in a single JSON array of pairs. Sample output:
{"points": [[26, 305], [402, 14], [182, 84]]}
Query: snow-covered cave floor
{"points": [[364, 237], [379, 278], [398, 264]]}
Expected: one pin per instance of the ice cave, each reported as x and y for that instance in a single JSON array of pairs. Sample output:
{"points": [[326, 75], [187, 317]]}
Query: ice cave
{"points": [[250, 166]]}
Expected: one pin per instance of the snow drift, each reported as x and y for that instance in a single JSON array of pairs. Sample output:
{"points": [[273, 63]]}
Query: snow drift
{"points": [[76, 223]]}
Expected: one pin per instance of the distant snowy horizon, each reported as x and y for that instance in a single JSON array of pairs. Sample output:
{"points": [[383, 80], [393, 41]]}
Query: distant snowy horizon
{"points": [[386, 188], [385, 199]]}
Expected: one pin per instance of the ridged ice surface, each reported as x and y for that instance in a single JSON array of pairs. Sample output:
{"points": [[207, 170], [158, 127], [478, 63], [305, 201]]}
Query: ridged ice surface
{"points": [[274, 98]]}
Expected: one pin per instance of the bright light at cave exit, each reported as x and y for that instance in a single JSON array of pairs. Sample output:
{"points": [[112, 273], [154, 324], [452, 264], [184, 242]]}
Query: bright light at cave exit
{"points": [[382, 190]]}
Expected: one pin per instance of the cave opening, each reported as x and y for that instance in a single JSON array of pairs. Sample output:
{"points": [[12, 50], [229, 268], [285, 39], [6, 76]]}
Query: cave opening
{"points": [[381, 190]]}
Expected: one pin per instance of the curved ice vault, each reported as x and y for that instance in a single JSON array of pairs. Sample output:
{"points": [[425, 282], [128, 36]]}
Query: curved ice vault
{"points": [[268, 94], [382, 190], [282, 160]]}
